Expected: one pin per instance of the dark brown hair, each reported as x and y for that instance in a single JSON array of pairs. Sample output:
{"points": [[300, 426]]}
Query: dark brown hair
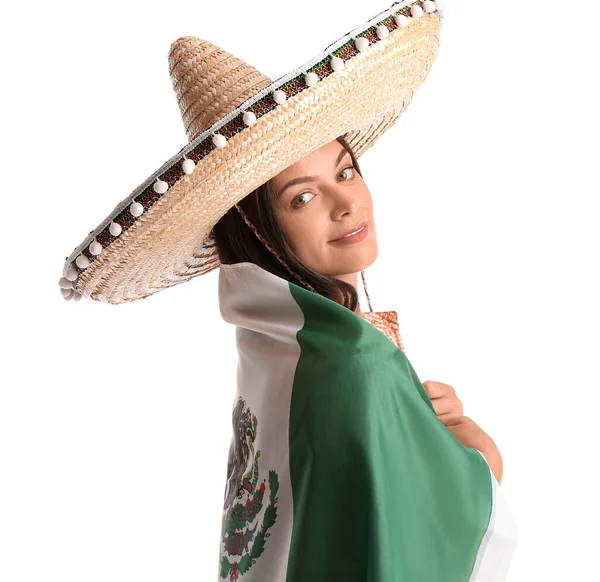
{"points": [[237, 243]]}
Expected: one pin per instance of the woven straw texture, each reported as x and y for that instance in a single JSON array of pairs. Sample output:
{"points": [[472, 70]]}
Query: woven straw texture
{"points": [[170, 243]]}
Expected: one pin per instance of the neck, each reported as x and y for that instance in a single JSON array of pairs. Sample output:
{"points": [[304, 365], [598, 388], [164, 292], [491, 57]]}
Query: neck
{"points": [[352, 279]]}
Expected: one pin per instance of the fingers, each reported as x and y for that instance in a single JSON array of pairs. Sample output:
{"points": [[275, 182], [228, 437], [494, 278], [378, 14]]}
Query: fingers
{"points": [[444, 400], [448, 419], [437, 389], [457, 420], [444, 406]]}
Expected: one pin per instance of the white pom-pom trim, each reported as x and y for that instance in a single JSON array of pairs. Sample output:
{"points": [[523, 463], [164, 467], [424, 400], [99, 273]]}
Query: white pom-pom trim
{"points": [[71, 274], [416, 11], [401, 20], [64, 283], [160, 186], [188, 165], [311, 79], [219, 140], [382, 31], [441, 9], [249, 118], [115, 228], [95, 248], [337, 64], [279, 96], [136, 209], [361, 43], [76, 295], [429, 6], [82, 262]]}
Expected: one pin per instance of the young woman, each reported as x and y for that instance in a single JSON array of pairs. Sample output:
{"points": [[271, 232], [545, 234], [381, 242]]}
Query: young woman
{"points": [[338, 451], [342, 464], [308, 212]]}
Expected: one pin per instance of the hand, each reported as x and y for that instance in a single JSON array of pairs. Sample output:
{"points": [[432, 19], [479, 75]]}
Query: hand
{"points": [[446, 403], [469, 433], [449, 409]]}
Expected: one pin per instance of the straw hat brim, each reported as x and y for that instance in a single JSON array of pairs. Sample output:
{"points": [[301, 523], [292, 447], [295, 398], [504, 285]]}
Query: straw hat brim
{"points": [[169, 242]]}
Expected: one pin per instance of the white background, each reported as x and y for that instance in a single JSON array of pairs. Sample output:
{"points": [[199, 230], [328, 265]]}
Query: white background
{"points": [[115, 421]]}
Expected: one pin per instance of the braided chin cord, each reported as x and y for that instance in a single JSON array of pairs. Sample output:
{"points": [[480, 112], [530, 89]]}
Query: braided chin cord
{"points": [[276, 255]]}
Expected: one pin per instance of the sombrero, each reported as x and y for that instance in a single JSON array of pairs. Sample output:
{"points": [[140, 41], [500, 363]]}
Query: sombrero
{"points": [[244, 129]]}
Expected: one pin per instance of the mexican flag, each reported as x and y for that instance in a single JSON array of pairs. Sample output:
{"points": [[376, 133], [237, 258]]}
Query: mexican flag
{"points": [[339, 469]]}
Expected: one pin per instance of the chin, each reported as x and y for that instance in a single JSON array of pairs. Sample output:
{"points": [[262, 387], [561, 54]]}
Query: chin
{"points": [[359, 260]]}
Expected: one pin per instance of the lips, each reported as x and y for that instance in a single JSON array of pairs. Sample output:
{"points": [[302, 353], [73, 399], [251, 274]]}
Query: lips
{"points": [[357, 227]]}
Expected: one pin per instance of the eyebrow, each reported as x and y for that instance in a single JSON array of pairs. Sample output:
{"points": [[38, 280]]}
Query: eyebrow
{"points": [[295, 181]]}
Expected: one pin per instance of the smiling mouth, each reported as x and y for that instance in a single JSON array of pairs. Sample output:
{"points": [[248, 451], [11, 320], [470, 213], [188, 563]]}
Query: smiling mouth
{"points": [[357, 236], [358, 229]]}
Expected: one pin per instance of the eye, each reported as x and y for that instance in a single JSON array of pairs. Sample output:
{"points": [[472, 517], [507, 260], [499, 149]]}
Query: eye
{"points": [[348, 168], [351, 167], [298, 196]]}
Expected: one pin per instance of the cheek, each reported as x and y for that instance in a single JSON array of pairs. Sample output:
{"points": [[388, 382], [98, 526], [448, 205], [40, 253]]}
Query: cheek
{"points": [[306, 233]]}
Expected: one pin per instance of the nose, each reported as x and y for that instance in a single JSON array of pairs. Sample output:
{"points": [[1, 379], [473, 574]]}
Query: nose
{"points": [[343, 200]]}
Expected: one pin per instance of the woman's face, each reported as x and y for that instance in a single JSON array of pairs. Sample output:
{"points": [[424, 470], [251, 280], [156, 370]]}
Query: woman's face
{"points": [[321, 198]]}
